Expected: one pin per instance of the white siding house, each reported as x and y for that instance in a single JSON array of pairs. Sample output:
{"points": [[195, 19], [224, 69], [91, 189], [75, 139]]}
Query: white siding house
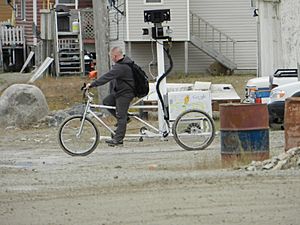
{"points": [[179, 18], [279, 35], [233, 18]]}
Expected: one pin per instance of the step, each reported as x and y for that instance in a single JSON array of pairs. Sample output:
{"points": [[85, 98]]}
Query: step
{"points": [[197, 42], [70, 67], [63, 13], [68, 63], [68, 60], [69, 52], [74, 57], [68, 49], [70, 73], [68, 41], [67, 33]]}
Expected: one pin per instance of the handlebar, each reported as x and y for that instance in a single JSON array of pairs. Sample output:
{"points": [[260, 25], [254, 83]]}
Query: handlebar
{"points": [[86, 93]]}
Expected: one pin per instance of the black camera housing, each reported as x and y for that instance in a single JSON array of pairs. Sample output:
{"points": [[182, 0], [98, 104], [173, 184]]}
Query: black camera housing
{"points": [[157, 16], [158, 33]]}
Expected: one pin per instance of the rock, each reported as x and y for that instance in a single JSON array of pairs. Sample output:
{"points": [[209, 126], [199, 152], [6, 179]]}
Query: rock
{"points": [[76, 110], [268, 166], [217, 68], [60, 116], [282, 156], [55, 118], [286, 160], [251, 168], [152, 166], [293, 151], [280, 165], [22, 105]]}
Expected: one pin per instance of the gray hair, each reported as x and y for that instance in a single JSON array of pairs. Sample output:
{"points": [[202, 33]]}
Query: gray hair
{"points": [[117, 50]]}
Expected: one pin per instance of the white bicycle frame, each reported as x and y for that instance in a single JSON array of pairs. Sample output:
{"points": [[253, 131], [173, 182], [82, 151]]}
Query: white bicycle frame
{"points": [[88, 111]]}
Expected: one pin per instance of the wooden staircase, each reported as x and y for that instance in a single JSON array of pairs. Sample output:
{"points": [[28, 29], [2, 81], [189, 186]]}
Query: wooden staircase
{"points": [[212, 41], [68, 45]]}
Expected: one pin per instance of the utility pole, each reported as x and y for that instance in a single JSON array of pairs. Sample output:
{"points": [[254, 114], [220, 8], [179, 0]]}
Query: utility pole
{"points": [[101, 42]]}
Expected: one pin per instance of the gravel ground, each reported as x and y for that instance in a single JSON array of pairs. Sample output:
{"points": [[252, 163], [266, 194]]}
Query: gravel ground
{"points": [[150, 182]]}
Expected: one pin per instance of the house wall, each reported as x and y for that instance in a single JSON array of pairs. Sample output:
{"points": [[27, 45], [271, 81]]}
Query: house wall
{"points": [[117, 26], [290, 31], [85, 4], [144, 54], [235, 18], [279, 35], [135, 18], [28, 21], [6, 11]]}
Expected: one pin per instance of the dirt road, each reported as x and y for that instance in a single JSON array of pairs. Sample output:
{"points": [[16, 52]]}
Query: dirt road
{"points": [[152, 182]]}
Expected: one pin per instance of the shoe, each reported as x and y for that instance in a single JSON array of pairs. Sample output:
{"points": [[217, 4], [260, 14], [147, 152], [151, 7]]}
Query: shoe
{"points": [[128, 121], [113, 142]]}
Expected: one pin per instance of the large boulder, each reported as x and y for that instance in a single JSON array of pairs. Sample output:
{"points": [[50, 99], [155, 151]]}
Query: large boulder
{"points": [[22, 105]]}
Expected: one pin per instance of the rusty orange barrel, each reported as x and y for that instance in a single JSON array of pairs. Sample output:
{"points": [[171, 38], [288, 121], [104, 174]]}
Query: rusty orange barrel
{"points": [[244, 132], [292, 123]]}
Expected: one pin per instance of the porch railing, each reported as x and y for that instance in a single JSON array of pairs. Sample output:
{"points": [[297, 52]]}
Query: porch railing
{"points": [[12, 36]]}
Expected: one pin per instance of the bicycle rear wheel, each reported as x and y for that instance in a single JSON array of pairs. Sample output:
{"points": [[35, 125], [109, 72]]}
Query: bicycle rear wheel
{"points": [[76, 141], [193, 130]]}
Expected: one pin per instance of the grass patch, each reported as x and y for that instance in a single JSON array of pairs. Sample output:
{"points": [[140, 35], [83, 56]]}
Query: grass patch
{"points": [[2, 81], [64, 92]]}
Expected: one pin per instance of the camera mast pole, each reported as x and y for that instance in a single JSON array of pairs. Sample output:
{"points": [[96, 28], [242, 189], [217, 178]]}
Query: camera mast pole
{"points": [[157, 17], [163, 84]]}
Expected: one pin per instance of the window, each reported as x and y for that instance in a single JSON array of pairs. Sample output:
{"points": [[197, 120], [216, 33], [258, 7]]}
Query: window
{"points": [[253, 3], [153, 1]]}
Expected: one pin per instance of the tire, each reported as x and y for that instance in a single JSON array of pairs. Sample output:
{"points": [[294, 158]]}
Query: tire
{"points": [[193, 130], [297, 94], [81, 145]]}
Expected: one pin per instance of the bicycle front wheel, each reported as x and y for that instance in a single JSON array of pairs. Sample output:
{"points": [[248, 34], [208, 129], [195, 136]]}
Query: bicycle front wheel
{"points": [[193, 130], [78, 137]]}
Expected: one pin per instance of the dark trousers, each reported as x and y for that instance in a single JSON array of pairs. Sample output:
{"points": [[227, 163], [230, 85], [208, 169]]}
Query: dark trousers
{"points": [[122, 104]]}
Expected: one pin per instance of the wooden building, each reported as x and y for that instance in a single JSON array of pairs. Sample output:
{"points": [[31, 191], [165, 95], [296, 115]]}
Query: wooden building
{"points": [[34, 22], [6, 12]]}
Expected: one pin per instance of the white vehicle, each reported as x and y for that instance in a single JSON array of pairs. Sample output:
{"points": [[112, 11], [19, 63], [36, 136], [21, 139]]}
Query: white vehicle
{"points": [[258, 89], [277, 101]]}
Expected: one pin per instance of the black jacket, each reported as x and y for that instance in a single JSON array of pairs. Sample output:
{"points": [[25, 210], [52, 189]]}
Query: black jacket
{"points": [[119, 73]]}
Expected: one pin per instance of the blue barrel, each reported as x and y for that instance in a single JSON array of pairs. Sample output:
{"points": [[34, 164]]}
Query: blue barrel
{"points": [[244, 132]]}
